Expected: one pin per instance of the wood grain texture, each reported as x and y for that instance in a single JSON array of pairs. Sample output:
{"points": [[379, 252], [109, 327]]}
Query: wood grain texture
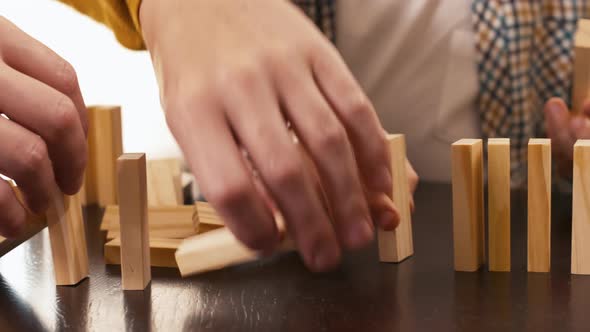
{"points": [[468, 217], [135, 244], [539, 206], [173, 222], [164, 185], [580, 262], [68, 239], [206, 214], [397, 245], [161, 252], [499, 204], [581, 84], [105, 145]]}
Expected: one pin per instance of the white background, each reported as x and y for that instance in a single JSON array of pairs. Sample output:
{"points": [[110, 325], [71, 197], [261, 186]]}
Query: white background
{"points": [[108, 73]]}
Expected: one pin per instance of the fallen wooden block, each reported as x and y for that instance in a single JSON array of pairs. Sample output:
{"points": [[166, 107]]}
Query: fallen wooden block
{"points": [[164, 185], [468, 217], [161, 252], [539, 206], [68, 239], [135, 251], [215, 250], [580, 263], [581, 72], [397, 245], [499, 204], [173, 222], [204, 213]]}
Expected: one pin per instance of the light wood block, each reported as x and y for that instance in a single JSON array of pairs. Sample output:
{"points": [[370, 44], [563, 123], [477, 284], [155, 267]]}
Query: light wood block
{"points": [[105, 145], [539, 206], [206, 214], [397, 245], [499, 204], [581, 84], [164, 185], [135, 245], [161, 252], [173, 222], [468, 217], [581, 209], [68, 239], [215, 250]]}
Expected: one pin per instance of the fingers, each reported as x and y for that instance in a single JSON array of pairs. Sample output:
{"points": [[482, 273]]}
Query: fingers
{"points": [[51, 115], [13, 216], [254, 114], [413, 180], [25, 159], [558, 124], [326, 140], [30, 57]]}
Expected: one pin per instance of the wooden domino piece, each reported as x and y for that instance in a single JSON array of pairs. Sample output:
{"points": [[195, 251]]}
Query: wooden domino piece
{"points": [[580, 263], [172, 222], [397, 245], [539, 206], [135, 247], [161, 252], [581, 84], [206, 214], [468, 217], [164, 184], [499, 204], [68, 239], [105, 145]]}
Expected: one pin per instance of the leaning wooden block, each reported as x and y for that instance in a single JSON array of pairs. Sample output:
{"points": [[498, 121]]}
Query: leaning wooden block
{"points": [[68, 239], [164, 185], [581, 84], [468, 217], [539, 206], [580, 263], [161, 252], [173, 222], [215, 250], [499, 204], [135, 247], [397, 245], [104, 147]]}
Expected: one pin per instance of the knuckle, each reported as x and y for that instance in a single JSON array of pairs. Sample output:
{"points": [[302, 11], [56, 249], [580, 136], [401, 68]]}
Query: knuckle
{"points": [[285, 173], [228, 195], [65, 117], [34, 157], [357, 108], [68, 80], [332, 136], [239, 77]]}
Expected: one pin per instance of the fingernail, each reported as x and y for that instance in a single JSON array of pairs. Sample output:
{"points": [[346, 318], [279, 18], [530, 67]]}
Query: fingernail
{"points": [[359, 234], [325, 258], [554, 107]]}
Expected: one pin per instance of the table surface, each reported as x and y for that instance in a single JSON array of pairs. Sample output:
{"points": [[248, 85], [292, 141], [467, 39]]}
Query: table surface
{"points": [[279, 294]]}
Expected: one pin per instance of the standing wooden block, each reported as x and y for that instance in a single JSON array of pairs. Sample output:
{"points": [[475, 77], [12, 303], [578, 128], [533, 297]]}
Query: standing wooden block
{"points": [[164, 185], [68, 239], [499, 204], [581, 85], [468, 218], [539, 205], [135, 246], [397, 245], [105, 145], [581, 209]]}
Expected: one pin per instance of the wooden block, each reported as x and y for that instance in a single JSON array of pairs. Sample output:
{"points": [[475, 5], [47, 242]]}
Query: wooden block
{"points": [[581, 84], [161, 252], [105, 145], [539, 205], [397, 245], [468, 218], [215, 250], [206, 214], [135, 245], [68, 239], [173, 222], [499, 204], [581, 209], [164, 185]]}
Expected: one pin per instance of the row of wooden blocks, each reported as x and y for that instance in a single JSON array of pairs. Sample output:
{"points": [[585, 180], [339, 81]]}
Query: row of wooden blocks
{"points": [[468, 206]]}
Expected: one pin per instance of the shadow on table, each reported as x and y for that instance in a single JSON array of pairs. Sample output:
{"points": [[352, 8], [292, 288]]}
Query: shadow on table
{"points": [[16, 314]]}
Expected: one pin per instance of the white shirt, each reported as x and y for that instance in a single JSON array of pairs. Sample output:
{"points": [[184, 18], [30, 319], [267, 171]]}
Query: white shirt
{"points": [[416, 61]]}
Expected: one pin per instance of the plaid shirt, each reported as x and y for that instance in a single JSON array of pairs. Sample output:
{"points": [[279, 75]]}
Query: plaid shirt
{"points": [[524, 57]]}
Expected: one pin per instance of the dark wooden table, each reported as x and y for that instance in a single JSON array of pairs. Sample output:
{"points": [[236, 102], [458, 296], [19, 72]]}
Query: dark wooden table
{"points": [[279, 294]]}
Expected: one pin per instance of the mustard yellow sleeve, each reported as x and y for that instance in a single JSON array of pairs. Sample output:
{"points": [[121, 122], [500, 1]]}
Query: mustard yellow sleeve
{"points": [[121, 16]]}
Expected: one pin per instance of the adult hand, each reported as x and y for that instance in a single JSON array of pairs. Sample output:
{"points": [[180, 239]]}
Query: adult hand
{"points": [[43, 130]]}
